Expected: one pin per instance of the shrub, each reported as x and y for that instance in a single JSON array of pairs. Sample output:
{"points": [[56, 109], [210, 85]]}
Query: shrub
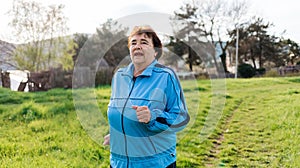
{"points": [[246, 70], [261, 71], [271, 73]]}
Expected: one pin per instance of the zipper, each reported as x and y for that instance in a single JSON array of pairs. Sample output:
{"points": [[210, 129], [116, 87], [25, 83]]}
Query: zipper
{"points": [[122, 121]]}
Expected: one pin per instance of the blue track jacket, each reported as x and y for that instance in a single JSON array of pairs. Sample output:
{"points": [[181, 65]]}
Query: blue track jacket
{"points": [[134, 144]]}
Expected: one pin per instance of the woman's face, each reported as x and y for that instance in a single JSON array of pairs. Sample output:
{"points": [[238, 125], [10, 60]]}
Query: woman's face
{"points": [[142, 52]]}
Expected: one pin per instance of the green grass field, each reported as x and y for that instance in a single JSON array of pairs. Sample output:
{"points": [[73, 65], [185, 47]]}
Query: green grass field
{"points": [[258, 127]]}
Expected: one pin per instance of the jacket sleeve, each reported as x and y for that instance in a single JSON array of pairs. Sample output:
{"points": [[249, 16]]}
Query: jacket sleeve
{"points": [[175, 115]]}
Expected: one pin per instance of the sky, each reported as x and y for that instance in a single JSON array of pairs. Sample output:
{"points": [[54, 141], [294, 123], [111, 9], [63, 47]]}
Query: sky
{"points": [[85, 16]]}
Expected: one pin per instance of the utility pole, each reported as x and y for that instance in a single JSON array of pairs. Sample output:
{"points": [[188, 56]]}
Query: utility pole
{"points": [[236, 52]]}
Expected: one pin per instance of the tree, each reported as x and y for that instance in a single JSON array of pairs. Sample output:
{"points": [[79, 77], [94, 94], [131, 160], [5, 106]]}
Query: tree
{"points": [[256, 44], [39, 30], [113, 40], [187, 34], [260, 41], [79, 40], [66, 59], [212, 19], [291, 50], [100, 54], [176, 49], [109, 44]]}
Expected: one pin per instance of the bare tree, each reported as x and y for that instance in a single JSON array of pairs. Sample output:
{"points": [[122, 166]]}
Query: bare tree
{"points": [[214, 19], [39, 30]]}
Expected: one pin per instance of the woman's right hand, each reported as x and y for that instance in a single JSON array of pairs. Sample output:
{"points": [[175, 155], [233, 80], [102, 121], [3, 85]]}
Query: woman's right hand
{"points": [[106, 140]]}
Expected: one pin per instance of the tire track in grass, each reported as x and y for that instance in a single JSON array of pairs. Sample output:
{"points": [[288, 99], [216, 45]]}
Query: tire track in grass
{"points": [[217, 142]]}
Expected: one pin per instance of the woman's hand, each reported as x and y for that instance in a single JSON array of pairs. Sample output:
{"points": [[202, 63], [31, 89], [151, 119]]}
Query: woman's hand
{"points": [[143, 113], [106, 140]]}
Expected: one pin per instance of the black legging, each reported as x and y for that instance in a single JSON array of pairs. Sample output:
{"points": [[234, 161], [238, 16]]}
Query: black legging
{"points": [[173, 165]]}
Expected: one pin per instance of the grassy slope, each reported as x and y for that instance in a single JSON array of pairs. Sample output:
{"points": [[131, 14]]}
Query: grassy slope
{"points": [[264, 130], [259, 127], [42, 130]]}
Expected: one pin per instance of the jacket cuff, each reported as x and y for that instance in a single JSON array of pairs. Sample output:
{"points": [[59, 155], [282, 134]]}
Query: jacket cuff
{"points": [[153, 117]]}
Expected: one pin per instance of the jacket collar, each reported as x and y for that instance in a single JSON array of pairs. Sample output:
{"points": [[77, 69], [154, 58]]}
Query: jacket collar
{"points": [[147, 72]]}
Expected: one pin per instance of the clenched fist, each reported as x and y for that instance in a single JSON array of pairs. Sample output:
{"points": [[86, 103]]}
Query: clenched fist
{"points": [[143, 113]]}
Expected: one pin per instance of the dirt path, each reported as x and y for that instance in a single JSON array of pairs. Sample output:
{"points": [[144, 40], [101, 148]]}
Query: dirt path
{"points": [[215, 150]]}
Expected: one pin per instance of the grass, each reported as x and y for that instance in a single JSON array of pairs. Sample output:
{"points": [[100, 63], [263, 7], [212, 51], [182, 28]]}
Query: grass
{"points": [[264, 130], [41, 129], [258, 126]]}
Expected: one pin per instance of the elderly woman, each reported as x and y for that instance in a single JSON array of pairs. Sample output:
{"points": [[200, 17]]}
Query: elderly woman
{"points": [[146, 108]]}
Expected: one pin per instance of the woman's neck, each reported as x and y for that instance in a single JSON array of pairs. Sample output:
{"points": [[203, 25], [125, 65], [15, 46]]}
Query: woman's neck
{"points": [[138, 70]]}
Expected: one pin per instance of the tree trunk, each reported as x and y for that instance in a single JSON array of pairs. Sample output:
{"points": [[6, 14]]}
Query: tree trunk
{"points": [[260, 56], [223, 59], [190, 59], [253, 61]]}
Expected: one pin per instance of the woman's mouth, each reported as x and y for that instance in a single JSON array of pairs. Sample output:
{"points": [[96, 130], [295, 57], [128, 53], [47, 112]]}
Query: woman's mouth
{"points": [[138, 54]]}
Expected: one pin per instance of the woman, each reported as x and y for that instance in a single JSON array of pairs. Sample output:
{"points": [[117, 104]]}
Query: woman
{"points": [[146, 108]]}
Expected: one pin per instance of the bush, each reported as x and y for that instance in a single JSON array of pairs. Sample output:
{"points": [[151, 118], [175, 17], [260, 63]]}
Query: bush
{"points": [[261, 71], [246, 70], [271, 73]]}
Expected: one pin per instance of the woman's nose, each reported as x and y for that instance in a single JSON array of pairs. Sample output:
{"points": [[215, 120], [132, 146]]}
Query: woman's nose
{"points": [[138, 46]]}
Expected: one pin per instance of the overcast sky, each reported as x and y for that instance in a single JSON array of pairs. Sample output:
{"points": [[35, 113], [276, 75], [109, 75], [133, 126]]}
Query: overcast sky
{"points": [[85, 16]]}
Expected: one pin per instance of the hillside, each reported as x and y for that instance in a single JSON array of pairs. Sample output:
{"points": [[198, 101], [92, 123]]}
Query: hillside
{"points": [[6, 50], [259, 126]]}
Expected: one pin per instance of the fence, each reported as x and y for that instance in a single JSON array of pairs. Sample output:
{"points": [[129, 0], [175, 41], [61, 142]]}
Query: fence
{"points": [[59, 78]]}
